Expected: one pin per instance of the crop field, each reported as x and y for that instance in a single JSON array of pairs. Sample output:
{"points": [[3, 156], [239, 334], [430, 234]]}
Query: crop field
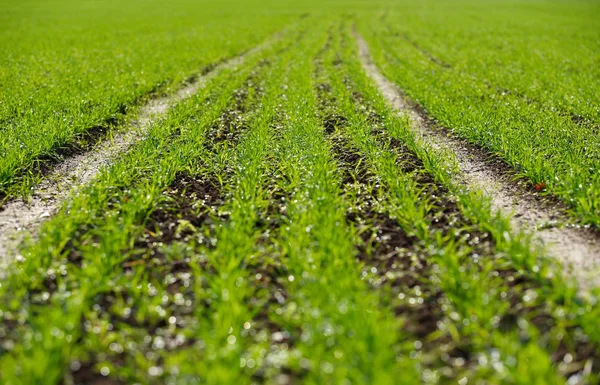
{"points": [[300, 192]]}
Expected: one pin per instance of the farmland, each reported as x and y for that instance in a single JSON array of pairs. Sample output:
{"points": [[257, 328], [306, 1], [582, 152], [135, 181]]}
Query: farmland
{"points": [[389, 192]]}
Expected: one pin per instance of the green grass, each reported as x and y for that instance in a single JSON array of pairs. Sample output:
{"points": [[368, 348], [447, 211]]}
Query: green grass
{"points": [[520, 81], [284, 225], [70, 67]]}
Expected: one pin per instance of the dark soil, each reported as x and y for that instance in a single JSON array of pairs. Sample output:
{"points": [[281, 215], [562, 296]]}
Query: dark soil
{"points": [[395, 262], [575, 346], [174, 232], [177, 231]]}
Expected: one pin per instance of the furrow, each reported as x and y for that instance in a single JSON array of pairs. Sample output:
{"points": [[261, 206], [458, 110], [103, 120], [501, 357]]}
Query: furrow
{"points": [[202, 241], [577, 247], [166, 260], [394, 263], [245, 273], [18, 217], [325, 310]]}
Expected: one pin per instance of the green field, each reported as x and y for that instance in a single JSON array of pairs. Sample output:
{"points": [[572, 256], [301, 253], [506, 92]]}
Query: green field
{"points": [[284, 224]]}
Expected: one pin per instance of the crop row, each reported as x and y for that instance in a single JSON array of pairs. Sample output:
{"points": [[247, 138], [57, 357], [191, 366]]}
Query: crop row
{"points": [[285, 225], [521, 86], [70, 71]]}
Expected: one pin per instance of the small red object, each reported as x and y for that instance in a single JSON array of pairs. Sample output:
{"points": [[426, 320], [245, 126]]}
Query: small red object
{"points": [[540, 186]]}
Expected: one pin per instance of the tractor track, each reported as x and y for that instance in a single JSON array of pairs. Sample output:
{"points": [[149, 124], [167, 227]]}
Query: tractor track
{"points": [[577, 247], [19, 217]]}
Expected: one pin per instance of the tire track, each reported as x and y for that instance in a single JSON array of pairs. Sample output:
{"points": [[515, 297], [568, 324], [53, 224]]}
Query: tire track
{"points": [[188, 215], [19, 217], [577, 247]]}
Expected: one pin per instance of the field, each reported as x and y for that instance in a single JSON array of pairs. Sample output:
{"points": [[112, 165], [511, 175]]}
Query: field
{"points": [[287, 192]]}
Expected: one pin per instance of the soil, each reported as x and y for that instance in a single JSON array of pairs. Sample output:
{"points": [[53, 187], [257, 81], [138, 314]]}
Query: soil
{"points": [[395, 263], [191, 203], [182, 228]]}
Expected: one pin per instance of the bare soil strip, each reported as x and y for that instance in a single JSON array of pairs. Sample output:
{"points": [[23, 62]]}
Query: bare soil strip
{"points": [[17, 217], [394, 262], [187, 219], [178, 220], [415, 278], [577, 247]]}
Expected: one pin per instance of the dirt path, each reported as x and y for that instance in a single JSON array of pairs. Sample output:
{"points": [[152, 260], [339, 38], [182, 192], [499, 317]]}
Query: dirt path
{"points": [[578, 248], [18, 218]]}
